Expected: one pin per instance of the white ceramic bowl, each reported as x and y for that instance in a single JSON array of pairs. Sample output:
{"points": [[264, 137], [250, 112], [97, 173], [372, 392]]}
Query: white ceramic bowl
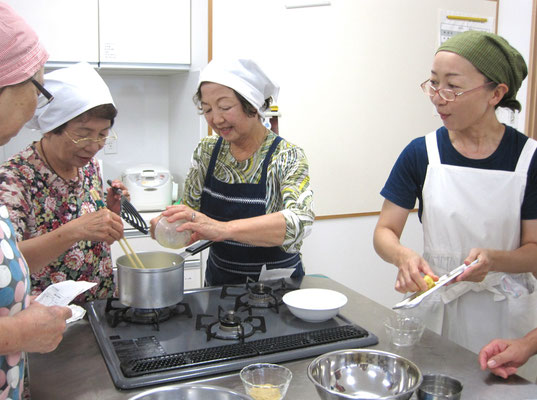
{"points": [[314, 305]]}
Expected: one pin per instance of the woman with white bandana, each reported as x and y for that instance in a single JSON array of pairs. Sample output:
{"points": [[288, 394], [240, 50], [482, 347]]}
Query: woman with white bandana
{"points": [[64, 236], [25, 325], [248, 189]]}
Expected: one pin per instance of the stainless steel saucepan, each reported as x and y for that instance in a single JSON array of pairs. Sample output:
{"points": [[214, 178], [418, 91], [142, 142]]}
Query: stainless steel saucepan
{"points": [[161, 283]]}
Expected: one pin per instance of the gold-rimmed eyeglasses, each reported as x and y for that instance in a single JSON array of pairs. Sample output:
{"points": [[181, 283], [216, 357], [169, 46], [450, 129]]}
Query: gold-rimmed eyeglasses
{"points": [[84, 141], [446, 94], [44, 97]]}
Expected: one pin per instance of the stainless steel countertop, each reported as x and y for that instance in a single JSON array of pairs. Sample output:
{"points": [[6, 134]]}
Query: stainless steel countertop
{"points": [[76, 369]]}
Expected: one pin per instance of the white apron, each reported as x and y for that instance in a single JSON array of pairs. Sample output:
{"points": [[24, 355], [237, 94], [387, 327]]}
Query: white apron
{"points": [[466, 208]]}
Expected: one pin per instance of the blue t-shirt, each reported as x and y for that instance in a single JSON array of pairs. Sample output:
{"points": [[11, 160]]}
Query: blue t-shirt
{"points": [[405, 183]]}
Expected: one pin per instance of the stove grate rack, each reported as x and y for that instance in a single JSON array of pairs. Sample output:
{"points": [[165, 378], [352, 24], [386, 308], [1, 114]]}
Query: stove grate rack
{"points": [[143, 366]]}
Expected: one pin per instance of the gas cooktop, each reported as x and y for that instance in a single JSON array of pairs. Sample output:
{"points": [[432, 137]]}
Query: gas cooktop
{"points": [[213, 330]]}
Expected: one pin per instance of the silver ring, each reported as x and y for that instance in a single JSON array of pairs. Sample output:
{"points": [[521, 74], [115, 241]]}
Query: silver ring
{"points": [[193, 216]]}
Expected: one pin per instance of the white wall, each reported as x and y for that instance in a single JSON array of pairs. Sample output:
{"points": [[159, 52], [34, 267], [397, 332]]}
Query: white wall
{"points": [[342, 249], [514, 24]]}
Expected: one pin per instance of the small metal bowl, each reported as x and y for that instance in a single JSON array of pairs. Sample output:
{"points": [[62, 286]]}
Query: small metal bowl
{"points": [[364, 374], [439, 387]]}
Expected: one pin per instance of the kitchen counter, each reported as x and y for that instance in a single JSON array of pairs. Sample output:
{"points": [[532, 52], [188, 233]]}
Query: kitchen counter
{"points": [[77, 371]]}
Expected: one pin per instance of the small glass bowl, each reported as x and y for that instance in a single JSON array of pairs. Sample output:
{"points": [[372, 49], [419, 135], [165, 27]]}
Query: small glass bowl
{"points": [[167, 236], [404, 330], [266, 381]]}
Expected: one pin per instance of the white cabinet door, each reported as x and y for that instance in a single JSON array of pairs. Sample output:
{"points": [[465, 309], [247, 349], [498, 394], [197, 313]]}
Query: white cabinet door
{"points": [[141, 32], [67, 28]]}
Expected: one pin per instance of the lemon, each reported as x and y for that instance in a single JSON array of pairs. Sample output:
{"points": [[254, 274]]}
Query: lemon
{"points": [[429, 281]]}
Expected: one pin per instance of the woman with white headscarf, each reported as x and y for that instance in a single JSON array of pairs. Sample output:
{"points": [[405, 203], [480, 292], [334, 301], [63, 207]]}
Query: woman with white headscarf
{"points": [[248, 190], [47, 186]]}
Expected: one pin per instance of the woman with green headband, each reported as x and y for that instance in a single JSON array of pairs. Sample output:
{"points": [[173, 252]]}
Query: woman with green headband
{"points": [[476, 182]]}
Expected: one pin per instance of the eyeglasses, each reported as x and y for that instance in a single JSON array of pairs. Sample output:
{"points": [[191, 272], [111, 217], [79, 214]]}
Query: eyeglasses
{"points": [[45, 97], [84, 141], [446, 94]]}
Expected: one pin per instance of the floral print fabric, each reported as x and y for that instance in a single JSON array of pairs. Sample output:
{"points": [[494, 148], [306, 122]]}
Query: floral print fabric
{"points": [[40, 201], [14, 290], [288, 182]]}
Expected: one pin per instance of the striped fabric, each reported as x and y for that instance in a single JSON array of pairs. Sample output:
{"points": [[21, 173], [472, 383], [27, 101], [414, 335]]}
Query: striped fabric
{"points": [[288, 182]]}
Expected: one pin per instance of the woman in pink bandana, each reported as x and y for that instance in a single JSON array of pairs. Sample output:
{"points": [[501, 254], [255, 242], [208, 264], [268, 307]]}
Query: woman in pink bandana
{"points": [[25, 326]]}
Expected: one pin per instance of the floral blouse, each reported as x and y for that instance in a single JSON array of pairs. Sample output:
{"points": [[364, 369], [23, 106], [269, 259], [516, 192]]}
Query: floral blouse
{"points": [[40, 201], [288, 182]]}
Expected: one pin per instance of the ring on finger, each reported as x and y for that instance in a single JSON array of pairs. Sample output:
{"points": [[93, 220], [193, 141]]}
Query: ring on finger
{"points": [[193, 216]]}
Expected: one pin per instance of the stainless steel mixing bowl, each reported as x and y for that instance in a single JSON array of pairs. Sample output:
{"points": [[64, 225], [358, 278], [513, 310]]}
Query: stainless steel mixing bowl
{"points": [[364, 374], [190, 392]]}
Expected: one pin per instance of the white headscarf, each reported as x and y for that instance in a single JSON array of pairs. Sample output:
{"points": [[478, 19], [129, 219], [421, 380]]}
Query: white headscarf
{"points": [[76, 89], [243, 76]]}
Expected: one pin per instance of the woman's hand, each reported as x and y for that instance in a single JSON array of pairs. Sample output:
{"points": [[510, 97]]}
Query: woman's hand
{"points": [[99, 226], [201, 225], [113, 200], [42, 327], [412, 267], [478, 271], [503, 356]]}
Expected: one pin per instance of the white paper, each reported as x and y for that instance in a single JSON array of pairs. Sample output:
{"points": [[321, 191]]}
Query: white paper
{"points": [[62, 293], [78, 313], [450, 27], [273, 274]]}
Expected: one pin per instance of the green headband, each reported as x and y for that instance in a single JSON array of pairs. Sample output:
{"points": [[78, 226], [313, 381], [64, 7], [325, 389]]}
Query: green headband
{"points": [[494, 57]]}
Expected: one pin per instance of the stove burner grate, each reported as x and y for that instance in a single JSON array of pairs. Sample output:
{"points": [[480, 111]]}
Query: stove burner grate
{"points": [[266, 294], [155, 316], [196, 358], [230, 326]]}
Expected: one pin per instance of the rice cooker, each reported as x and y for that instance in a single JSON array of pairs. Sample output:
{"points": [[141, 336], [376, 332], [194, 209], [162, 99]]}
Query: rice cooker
{"points": [[150, 186]]}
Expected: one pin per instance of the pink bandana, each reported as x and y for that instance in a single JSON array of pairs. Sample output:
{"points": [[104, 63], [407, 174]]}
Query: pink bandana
{"points": [[21, 53]]}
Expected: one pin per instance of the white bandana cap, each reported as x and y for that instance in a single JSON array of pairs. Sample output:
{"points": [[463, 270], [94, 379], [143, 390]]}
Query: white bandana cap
{"points": [[76, 89], [243, 76]]}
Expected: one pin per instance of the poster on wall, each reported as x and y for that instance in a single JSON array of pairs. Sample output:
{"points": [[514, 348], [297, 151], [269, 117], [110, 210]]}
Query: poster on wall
{"points": [[453, 22]]}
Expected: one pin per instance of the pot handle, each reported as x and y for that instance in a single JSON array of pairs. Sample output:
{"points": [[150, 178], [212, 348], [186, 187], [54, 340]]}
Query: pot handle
{"points": [[199, 246]]}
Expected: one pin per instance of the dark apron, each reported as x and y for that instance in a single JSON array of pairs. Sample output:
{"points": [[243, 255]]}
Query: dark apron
{"points": [[232, 262]]}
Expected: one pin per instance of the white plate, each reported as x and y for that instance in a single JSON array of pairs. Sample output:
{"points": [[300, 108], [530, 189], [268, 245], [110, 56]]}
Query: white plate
{"points": [[314, 305]]}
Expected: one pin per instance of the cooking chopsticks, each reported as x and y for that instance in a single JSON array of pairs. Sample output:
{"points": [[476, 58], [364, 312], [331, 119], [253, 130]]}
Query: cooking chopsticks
{"points": [[125, 246], [136, 262]]}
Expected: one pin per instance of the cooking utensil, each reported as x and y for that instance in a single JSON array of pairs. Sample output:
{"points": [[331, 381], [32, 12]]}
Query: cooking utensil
{"points": [[160, 284], [266, 381], [415, 299], [439, 387], [364, 374], [129, 252], [129, 213], [190, 392], [314, 305]]}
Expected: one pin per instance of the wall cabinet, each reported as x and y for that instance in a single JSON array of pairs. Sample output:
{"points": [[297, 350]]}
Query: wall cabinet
{"points": [[69, 29], [126, 34], [138, 32]]}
